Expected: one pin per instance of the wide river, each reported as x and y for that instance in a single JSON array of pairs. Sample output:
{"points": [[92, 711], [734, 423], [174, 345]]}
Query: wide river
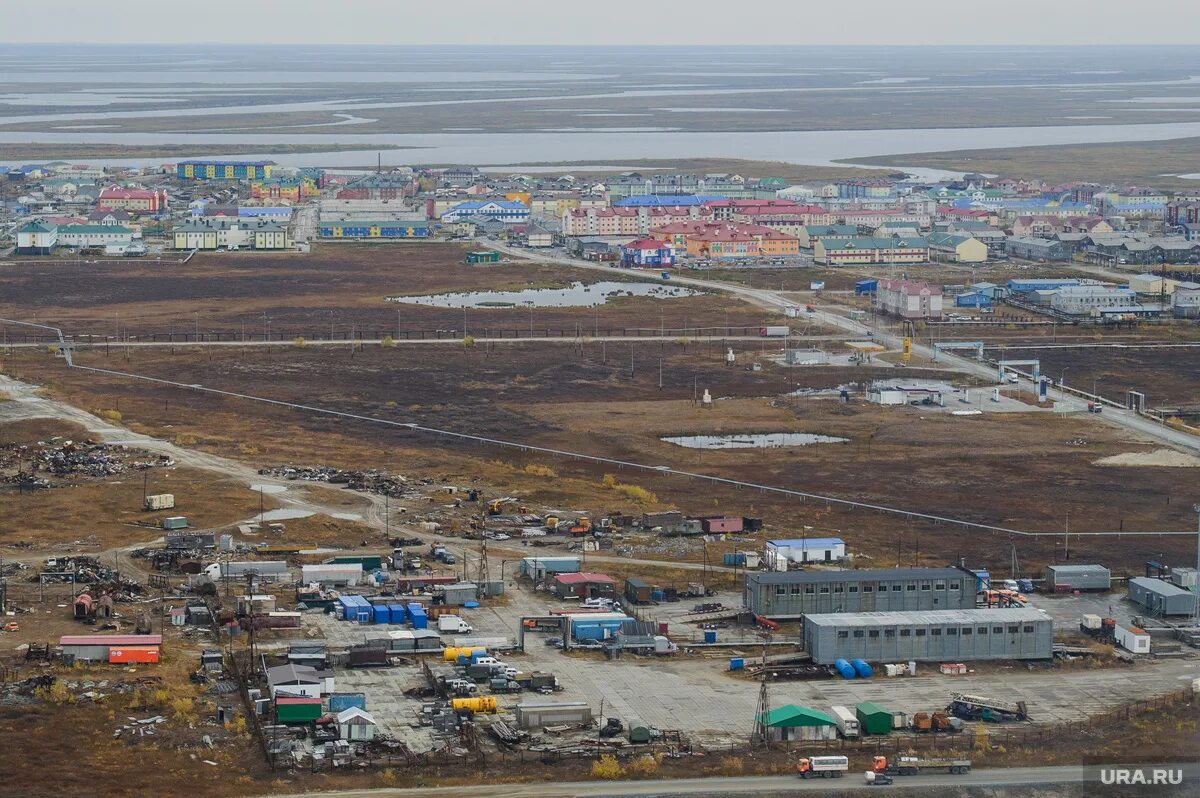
{"points": [[813, 147]]}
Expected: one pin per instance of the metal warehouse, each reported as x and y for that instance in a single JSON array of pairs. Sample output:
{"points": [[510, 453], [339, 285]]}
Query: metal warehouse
{"points": [[798, 593], [1077, 577], [950, 635], [1160, 597]]}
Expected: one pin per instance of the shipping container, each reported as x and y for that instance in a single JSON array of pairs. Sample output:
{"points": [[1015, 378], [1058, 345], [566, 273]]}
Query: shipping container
{"points": [[873, 719], [148, 654], [342, 574], [369, 562], [342, 701], [380, 613], [175, 522], [160, 501], [778, 331], [297, 710], [847, 721], [396, 613], [1132, 639]]}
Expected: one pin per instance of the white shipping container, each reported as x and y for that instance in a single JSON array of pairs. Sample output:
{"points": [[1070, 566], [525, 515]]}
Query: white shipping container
{"points": [[332, 573], [1134, 640], [160, 501], [847, 721]]}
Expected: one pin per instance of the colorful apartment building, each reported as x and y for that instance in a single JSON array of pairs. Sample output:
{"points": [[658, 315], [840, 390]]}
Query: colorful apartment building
{"points": [[810, 234], [223, 170], [292, 189], [507, 211], [134, 200]]}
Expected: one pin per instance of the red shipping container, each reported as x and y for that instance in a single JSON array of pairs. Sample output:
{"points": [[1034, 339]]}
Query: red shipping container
{"points": [[133, 654]]}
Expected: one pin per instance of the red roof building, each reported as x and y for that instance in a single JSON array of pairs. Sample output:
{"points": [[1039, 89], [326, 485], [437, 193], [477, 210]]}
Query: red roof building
{"points": [[136, 200]]}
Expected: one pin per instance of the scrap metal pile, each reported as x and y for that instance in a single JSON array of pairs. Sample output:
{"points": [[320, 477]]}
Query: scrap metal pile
{"points": [[25, 466], [82, 570], [369, 481]]}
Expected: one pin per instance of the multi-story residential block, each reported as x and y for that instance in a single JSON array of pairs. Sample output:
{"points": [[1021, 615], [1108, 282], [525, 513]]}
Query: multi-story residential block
{"points": [[223, 170], [229, 233], [134, 200], [866, 250], [507, 211], [909, 299]]}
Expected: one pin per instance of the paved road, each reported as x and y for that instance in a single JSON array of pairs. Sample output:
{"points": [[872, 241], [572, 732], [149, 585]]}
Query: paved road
{"points": [[740, 785], [774, 301]]}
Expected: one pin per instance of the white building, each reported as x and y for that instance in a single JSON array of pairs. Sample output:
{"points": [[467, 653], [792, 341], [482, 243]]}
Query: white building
{"points": [[94, 235], [780, 554], [1086, 300], [1185, 301], [37, 238]]}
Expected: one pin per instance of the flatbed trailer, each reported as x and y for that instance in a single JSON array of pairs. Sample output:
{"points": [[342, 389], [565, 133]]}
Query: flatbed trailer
{"points": [[916, 765]]}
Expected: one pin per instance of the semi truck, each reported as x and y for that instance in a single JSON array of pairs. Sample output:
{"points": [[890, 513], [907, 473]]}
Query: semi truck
{"points": [[826, 767], [916, 765]]}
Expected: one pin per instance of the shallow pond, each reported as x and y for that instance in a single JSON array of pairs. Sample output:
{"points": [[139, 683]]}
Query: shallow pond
{"points": [[770, 440], [576, 295]]}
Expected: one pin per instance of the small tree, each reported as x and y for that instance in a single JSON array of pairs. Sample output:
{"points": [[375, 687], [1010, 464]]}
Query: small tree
{"points": [[387, 342], [299, 341], [607, 767], [981, 738]]}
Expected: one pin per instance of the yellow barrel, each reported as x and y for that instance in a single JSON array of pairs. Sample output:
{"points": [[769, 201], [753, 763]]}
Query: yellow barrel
{"points": [[483, 703]]}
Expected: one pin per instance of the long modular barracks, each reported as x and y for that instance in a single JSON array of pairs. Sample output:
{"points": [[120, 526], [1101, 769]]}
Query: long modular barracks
{"points": [[946, 636], [794, 594]]}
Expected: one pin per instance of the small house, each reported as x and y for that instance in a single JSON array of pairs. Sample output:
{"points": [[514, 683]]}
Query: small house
{"points": [[873, 719], [355, 724], [294, 680], [584, 585]]}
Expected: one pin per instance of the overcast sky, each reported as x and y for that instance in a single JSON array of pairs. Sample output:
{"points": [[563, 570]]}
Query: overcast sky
{"points": [[661, 22]]}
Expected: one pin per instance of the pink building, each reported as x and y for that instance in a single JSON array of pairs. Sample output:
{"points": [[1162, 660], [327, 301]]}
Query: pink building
{"points": [[909, 299]]}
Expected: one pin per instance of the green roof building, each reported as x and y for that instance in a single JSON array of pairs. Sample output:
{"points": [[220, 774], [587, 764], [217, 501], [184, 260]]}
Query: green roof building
{"points": [[791, 722]]}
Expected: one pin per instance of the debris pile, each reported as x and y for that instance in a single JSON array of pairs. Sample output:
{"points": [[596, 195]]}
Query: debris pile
{"points": [[80, 569], [22, 464], [369, 481]]}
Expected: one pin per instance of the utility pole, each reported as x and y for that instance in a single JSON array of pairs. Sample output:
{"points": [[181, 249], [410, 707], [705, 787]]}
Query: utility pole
{"points": [[762, 733]]}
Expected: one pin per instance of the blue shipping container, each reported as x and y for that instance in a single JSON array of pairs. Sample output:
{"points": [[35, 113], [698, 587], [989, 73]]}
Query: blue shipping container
{"points": [[339, 702], [737, 663], [710, 637], [396, 613], [419, 619], [380, 613]]}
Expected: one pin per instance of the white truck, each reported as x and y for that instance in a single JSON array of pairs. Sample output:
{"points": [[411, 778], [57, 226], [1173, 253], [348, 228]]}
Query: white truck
{"points": [[453, 624], [847, 722], [826, 767]]}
